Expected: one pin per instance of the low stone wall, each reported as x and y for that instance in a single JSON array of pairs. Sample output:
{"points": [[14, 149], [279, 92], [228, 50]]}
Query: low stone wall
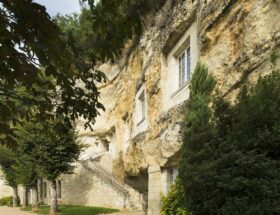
{"points": [[5, 190]]}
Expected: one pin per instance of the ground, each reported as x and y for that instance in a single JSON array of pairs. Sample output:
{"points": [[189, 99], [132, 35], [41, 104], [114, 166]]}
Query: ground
{"points": [[17, 211], [12, 211]]}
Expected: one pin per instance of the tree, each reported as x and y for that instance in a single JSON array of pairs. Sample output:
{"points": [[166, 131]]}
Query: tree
{"points": [[7, 161], [26, 168], [248, 158], [30, 41], [198, 135], [52, 148], [231, 153]]}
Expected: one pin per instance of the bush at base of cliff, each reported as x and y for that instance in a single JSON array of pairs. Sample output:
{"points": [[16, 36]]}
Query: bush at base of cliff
{"points": [[8, 201], [174, 203]]}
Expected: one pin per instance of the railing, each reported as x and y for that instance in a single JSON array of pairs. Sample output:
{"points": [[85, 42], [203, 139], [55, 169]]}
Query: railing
{"points": [[92, 155], [101, 171]]}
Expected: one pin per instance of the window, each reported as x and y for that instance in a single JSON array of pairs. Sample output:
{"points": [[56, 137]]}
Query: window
{"points": [[140, 115], [142, 107], [97, 149], [184, 64], [181, 61], [171, 177], [105, 144]]}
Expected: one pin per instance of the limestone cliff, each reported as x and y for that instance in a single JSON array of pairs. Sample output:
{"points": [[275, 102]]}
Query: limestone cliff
{"points": [[236, 39]]}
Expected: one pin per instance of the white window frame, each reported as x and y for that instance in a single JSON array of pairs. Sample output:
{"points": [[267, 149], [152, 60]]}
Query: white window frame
{"points": [[176, 88], [184, 67], [141, 110]]}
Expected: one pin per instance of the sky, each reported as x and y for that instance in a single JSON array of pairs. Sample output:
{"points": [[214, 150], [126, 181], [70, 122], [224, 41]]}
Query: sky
{"points": [[60, 6]]}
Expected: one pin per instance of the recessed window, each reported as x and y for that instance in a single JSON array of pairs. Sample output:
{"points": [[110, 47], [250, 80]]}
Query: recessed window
{"points": [[96, 146], [171, 177], [181, 62], [184, 67], [142, 107], [141, 111], [106, 145]]}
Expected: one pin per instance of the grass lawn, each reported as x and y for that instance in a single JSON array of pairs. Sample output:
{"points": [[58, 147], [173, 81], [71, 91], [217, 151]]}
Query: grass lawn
{"points": [[73, 210]]}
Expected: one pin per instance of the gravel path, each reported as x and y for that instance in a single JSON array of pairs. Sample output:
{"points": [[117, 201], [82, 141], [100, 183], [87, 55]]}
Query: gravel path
{"points": [[12, 211]]}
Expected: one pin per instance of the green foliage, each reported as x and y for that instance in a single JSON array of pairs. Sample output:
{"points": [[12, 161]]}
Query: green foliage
{"points": [[198, 136], [26, 165], [174, 203], [99, 32], [6, 201], [74, 210], [26, 170], [7, 162], [274, 56], [51, 146], [231, 159], [116, 21], [32, 46]]}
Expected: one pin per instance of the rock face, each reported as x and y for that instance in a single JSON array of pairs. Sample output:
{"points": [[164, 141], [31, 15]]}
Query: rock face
{"points": [[235, 39]]}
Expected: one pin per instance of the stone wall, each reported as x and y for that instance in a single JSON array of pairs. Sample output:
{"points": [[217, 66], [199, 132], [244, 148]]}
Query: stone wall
{"points": [[4, 189]]}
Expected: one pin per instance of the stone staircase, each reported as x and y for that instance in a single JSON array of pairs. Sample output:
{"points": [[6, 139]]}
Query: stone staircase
{"points": [[117, 182], [102, 172]]}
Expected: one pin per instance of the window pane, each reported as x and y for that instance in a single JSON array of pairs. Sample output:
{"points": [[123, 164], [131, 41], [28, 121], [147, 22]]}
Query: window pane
{"points": [[143, 106], [169, 178], [183, 68], [180, 70], [188, 63]]}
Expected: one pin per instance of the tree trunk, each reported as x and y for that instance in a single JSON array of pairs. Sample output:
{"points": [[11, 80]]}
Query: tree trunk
{"points": [[35, 201], [40, 191], [25, 197], [15, 197], [53, 204]]}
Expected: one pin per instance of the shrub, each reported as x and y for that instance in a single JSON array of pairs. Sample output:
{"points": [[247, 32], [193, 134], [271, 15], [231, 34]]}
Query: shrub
{"points": [[8, 201], [174, 203]]}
